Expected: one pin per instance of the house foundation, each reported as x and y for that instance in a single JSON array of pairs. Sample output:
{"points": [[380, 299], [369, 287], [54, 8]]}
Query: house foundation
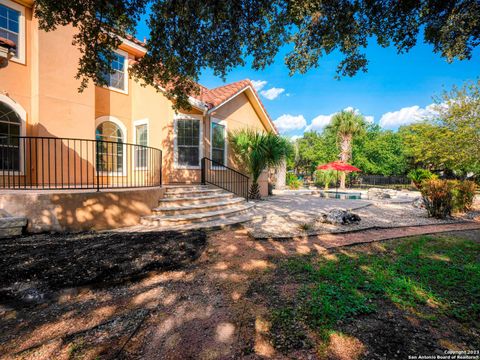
{"points": [[80, 210]]}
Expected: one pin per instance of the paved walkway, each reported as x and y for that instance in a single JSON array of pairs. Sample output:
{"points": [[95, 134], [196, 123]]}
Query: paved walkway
{"points": [[290, 216], [300, 205]]}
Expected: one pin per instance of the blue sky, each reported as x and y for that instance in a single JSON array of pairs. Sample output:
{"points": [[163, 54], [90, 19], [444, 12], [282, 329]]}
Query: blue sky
{"points": [[397, 87]]}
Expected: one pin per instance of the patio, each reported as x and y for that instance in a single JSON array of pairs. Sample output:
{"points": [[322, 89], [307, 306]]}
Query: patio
{"points": [[286, 216]]}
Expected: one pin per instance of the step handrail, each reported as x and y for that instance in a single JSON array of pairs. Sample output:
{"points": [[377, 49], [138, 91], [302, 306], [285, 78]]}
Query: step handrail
{"points": [[227, 178]]}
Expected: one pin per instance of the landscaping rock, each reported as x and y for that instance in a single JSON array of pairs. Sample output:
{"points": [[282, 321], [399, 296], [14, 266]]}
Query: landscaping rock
{"points": [[418, 203], [375, 193], [11, 226], [340, 217]]}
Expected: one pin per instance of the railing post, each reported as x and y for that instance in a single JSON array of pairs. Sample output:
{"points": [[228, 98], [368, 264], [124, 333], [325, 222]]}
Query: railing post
{"points": [[161, 155], [96, 166], [203, 171]]}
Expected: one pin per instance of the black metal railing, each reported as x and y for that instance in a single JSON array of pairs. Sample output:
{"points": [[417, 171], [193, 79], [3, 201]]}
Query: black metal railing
{"points": [[29, 162], [366, 181], [224, 177]]}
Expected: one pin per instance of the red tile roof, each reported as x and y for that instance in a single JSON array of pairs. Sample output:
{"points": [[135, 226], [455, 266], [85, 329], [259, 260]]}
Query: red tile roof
{"points": [[214, 97], [135, 40], [218, 95]]}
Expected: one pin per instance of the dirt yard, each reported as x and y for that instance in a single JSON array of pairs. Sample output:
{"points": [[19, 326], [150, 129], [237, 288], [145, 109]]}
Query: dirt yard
{"points": [[179, 296]]}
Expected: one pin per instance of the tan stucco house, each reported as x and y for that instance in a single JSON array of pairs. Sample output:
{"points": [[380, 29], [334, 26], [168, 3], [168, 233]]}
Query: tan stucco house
{"points": [[39, 84], [39, 101]]}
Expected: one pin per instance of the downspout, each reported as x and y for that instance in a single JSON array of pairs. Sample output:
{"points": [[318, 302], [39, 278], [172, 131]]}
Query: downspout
{"points": [[205, 114]]}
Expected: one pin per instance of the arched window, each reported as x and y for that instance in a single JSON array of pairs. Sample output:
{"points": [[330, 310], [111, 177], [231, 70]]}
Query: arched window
{"points": [[10, 123], [109, 138]]}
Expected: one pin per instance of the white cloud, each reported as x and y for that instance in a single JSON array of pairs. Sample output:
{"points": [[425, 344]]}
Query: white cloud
{"points": [[258, 84], [321, 121], [405, 116], [272, 93], [288, 122], [295, 138], [351, 108]]}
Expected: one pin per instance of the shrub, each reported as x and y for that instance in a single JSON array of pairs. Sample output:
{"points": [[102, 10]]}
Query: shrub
{"points": [[325, 178], [442, 197], [292, 181], [418, 176], [463, 195], [437, 197]]}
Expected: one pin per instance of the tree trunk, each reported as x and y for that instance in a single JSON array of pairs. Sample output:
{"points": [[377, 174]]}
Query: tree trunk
{"points": [[345, 150], [254, 191], [281, 174]]}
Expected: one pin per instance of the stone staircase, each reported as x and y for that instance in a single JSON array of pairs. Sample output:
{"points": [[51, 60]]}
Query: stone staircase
{"points": [[198, 206]]}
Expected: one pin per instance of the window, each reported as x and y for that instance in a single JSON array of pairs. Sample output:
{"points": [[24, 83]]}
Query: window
{"points": [[141, 138], [109, 147], [11, 26], [218, 143], [188, 142], [9, 142], [118, 79]]}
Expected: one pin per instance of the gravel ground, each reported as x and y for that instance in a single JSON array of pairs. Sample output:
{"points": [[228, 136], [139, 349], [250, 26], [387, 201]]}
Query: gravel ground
{"points": [[379, 214]]}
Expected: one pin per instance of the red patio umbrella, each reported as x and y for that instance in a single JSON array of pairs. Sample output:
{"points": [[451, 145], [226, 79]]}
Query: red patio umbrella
{"points": [[338, 166]]}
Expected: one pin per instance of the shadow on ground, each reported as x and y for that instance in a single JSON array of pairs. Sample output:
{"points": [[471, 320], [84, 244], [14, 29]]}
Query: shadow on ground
{"points": [[206, 302]]}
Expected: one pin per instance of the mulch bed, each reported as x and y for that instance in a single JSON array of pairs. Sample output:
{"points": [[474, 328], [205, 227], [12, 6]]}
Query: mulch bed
{"points": [[32, 268]]}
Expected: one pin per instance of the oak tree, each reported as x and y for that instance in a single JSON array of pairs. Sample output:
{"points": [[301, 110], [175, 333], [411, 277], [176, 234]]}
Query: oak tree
{"points": [[188, 36]]}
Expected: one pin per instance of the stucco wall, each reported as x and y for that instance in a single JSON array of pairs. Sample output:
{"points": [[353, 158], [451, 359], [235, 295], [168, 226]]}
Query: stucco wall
{"points": [[15, 79], [239, 114], [85, 210], [46, 88], [62, 110]]}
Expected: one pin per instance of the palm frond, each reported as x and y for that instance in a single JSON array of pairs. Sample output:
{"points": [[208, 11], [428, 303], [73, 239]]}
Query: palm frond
{"points": [[258, 150]]}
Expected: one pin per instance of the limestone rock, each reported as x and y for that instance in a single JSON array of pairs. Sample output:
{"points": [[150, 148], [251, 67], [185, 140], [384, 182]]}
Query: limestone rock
{"points": [[418, 203], [376, 193], [340, 217]]}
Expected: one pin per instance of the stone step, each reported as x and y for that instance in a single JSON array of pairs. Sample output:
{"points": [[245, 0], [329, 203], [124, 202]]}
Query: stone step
{"points": [[172, 220], [231, 221], [183, 188], [183, 201], [193, 193], [198, 208], [11, 226]]}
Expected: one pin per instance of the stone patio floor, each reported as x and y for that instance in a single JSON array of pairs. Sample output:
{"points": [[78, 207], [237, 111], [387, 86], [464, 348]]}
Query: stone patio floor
{"points": [[287, 216]]}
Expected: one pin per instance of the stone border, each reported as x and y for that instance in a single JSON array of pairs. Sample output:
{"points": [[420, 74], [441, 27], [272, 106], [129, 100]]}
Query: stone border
{"points": [[356, 231], [372, 235]]}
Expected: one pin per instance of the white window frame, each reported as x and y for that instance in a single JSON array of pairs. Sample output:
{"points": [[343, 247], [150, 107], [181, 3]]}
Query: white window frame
{"points": [[135, 124], [125, 77], [225, 156], [200, 143], [123, 129], [23, 129], [20, 51]]}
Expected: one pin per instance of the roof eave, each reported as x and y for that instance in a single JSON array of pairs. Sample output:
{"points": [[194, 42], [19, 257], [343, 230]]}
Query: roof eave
{"points": [[260, 106], [197, 104]]}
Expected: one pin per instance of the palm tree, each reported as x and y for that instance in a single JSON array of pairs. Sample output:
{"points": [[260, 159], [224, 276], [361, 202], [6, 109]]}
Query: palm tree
{"points": [[258, 151], [346, 124]]}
